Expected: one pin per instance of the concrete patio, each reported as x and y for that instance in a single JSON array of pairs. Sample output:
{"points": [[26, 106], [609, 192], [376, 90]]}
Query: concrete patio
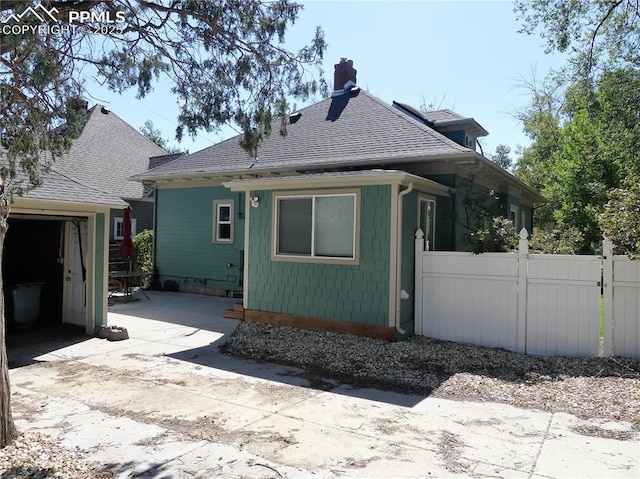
{"points": [[167, 404]]}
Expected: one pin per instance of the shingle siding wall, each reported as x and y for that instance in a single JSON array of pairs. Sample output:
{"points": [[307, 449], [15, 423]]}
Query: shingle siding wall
{"points": [[356, 293], [185, 253]]}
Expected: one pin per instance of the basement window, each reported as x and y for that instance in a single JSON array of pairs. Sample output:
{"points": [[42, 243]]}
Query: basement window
{"points": [[317, 227]]}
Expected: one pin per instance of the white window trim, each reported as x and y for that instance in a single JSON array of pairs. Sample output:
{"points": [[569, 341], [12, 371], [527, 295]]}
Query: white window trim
{"points": [[516, 210], [275, 256], [217, 222], [119, 220], [421, 198]]}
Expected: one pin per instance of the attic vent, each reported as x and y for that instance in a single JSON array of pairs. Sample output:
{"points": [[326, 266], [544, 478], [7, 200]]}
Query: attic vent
{"points": [[294, 117], [105, 110]]}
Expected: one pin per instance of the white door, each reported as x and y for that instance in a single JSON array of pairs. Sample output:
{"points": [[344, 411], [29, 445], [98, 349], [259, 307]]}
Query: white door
{"points": [[75, 263]]}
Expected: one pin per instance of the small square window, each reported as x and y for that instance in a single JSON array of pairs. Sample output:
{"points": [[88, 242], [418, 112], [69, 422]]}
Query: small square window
{"points": [[222, 221], [118, 231]]}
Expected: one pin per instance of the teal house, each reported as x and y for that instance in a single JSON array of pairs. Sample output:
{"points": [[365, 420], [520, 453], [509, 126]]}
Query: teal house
{"points": [[318, 230]]}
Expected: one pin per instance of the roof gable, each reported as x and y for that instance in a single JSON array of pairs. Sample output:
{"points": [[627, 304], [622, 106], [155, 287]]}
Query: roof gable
{"points": [[107, 153]]}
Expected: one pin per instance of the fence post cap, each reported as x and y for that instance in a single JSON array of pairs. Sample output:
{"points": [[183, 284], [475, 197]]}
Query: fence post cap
{"points": [[419, 234], [524, 234]]}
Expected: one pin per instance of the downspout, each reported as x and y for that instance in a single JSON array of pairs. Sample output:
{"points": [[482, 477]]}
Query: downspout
{"points": [[154, 239], [399, 257]]}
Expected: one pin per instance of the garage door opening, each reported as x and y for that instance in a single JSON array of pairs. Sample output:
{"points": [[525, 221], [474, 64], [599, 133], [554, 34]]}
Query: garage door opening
{"points": [[33, 267]]}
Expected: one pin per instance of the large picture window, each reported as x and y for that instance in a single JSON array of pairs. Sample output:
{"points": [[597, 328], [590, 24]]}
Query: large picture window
{"points": [[317, 226], [223, 221]]}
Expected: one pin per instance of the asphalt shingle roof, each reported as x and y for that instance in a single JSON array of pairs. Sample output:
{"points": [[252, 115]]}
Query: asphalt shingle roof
{"points": [[437, 116], [107, 153], [354, 128], [59, 187]]}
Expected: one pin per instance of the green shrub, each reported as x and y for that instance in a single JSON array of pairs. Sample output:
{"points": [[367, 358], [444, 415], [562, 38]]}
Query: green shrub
{"points": [[620, 221], [566, 240], [143, 256], [499, 236]]}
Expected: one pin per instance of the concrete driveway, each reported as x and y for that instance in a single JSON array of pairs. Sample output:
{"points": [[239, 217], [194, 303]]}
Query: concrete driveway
{"points": [[167, 404]]}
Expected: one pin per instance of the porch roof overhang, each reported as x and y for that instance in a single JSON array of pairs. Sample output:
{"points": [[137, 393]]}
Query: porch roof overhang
{"points": [[344, 178]]}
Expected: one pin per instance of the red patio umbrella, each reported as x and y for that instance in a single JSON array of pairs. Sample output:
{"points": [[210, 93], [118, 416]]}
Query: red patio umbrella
{"points": [[126, 246]]}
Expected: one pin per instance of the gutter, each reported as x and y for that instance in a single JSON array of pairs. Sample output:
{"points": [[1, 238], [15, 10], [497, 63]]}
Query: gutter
{"points": [[278, 169], [398, 284]]}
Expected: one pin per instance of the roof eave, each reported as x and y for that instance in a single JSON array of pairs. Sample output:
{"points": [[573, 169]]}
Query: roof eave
{"points": [[63, 205], [320, 180], [478, 129], [334, 163], [532, 193]]}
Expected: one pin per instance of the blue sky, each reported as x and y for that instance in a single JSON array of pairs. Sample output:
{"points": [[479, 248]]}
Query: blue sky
{"points": [[464, 55]]}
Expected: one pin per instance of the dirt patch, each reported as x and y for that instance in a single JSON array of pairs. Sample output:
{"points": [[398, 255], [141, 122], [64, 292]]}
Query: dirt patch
{"points": [[386, 426], [142, 395], [597, 431], [450, 451]]}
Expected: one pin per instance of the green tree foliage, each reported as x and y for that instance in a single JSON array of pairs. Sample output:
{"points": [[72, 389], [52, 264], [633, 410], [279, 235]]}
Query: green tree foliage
{"points": [[564, 240], [497, 235], [143, 255], [501, 157], [541, 121], [484, 229], [586, 136], [620, 219], [225, 60], [155, 135], [598, 34], [583, 150]]}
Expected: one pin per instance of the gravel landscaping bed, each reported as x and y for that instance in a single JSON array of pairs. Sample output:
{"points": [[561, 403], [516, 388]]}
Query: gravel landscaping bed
{"points": [[599, 389], [607, 388], [35, 456]]}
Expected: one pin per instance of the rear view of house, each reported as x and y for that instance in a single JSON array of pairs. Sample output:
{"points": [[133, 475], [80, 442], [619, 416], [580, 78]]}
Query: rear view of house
{"points": [[318, 227]]}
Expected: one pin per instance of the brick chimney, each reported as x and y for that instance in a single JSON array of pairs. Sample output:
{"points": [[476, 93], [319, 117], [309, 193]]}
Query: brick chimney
{"points": [[344, 72]]}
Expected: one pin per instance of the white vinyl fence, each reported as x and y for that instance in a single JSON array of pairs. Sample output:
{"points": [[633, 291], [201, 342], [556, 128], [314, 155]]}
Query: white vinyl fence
{"points": [[537, 304]]}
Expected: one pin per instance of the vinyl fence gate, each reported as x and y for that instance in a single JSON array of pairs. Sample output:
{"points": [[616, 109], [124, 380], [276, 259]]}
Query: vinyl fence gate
{"points": [[538, 304]]}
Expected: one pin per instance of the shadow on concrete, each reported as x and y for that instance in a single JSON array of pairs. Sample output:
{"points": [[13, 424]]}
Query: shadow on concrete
{"points": [[182, 309], [205, 313], [213, 356], [27, 471], [157, 470], [23, 346]]}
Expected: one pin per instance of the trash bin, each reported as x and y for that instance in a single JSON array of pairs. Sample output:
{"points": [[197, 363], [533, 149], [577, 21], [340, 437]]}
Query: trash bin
{"points": [[26, 304]]}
